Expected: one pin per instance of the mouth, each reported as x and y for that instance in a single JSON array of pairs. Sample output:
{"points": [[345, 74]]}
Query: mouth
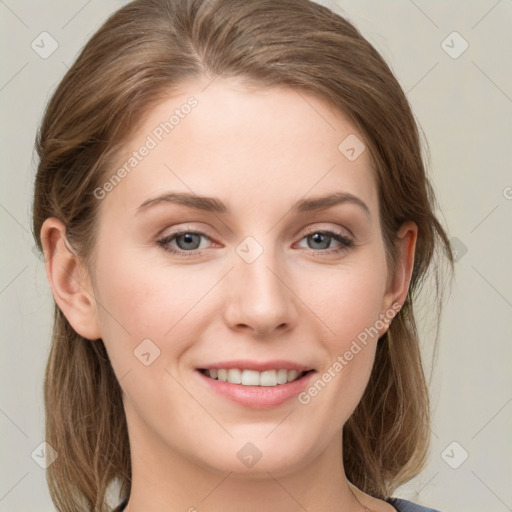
{"points": [[245, 377], [256, 385]]}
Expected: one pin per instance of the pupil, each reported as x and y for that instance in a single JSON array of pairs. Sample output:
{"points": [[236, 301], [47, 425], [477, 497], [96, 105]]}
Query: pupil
{"points": [[188, 238], [317, 238]]}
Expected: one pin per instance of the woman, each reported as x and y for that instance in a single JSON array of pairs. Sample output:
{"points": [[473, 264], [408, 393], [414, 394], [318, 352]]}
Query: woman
{"points": [[273, 364]]}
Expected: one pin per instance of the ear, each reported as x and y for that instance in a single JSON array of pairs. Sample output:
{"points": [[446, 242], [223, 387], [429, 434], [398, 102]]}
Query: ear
{"points": [[398, 285], [69, 280]]}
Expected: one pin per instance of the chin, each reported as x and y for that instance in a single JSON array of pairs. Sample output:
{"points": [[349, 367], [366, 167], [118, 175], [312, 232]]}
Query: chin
{"points": [[250, 457]]}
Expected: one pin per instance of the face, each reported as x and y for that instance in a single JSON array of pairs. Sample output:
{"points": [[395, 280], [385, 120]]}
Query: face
{"points": [[260, 283]]}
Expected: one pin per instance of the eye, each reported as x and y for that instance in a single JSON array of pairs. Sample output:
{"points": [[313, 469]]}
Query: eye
{"points": [[320, 240], [187, 242]]}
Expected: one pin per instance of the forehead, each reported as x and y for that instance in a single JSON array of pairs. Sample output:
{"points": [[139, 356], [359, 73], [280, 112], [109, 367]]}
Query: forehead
{"points": [[244, 146]]}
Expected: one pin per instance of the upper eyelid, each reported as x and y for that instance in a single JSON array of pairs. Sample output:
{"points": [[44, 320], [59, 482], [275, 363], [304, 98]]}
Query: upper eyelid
{"points": [[179, 231], [328, 230]]}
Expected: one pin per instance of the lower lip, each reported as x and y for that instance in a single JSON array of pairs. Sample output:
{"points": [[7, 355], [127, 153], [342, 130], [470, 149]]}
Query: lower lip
{"points": [[258, 397]]}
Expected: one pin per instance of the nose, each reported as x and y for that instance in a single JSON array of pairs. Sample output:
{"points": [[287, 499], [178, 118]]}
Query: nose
{"points": [[261, 300]]}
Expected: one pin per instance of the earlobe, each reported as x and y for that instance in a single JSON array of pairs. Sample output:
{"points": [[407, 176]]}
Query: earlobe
{"points": [[69, 281]]}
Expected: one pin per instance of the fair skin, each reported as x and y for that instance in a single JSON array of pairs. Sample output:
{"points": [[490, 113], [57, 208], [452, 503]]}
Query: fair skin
{"points": [[259, 152]]}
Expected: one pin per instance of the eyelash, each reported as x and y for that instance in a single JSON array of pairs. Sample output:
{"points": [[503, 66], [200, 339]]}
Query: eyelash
{"points": [[346, 243]]}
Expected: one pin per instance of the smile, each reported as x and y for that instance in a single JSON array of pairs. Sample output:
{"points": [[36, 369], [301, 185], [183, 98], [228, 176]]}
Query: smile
{"points": [[267, 378], [264, 386]]}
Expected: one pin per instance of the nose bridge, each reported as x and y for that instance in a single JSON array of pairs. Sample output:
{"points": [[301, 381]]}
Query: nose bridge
{"points": [[260, 298]]}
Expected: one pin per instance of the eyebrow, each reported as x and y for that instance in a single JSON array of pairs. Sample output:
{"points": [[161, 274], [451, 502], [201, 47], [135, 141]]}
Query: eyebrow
{"points": [[214, 205]]}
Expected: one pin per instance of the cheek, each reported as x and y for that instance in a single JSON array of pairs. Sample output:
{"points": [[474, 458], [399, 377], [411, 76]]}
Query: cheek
{"points": [[348, 299], [139, 301]]}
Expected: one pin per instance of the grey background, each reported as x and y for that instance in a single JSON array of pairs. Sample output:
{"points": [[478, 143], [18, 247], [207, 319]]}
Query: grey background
{"points": [[464, 106]]}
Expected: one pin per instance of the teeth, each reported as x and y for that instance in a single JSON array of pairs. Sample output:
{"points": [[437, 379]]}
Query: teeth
{"points": [[254, 378], [268, 378], [250, 378], [235, 376], [292, 375], [282, 376]]}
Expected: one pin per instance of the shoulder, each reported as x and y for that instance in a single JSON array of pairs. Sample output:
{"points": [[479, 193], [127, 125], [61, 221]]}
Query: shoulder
{"points": [[407, 506]]}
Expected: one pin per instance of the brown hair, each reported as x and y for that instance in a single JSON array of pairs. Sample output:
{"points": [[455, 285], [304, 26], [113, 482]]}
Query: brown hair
{"points": [[132, 62]]}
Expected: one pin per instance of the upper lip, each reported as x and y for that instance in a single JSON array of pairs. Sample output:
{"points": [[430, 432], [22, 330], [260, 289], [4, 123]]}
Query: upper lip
{"points": [[259, 366]]}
